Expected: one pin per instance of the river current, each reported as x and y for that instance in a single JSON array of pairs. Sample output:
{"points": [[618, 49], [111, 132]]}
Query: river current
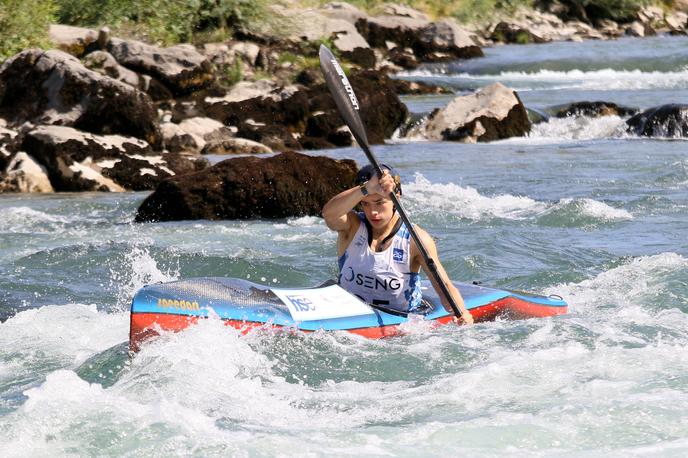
{"points": [[580, 208]]}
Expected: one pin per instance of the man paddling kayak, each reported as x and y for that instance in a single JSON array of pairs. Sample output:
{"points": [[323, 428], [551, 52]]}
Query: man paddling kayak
{"points": [[378, 260]]}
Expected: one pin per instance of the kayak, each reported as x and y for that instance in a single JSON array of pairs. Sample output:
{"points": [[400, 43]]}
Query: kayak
{"points": [[245, 305]]}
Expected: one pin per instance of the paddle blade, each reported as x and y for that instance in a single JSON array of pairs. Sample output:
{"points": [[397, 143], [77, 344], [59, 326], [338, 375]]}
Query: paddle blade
{"points": [[343, 94]]}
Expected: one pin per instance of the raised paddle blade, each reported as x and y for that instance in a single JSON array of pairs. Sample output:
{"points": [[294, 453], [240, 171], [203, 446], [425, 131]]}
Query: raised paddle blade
{"points": [[343, 94]]}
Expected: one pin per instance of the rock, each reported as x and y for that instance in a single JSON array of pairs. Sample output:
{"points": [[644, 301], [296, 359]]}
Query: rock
{"points": [[667, 121], [235, 146], [638, 29], [78, 161], [593, 109], [432, 42], [289, 184], [677, 23], [181, 68], [394, 9], [446, 37], [404, 87], [138, 173], [380, 108], [52, 87], [510, 33], [72, 40], [492, 113], [402, 31], [206, 128], [104, 63], [24, 174], [176, 140], [246, 90]]}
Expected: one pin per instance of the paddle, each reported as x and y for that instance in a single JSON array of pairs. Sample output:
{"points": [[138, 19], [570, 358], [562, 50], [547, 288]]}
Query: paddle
{"points": [[348, 107]]}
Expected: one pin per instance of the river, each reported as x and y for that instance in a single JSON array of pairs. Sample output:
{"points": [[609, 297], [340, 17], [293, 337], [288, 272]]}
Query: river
{"points": [[580, 208]]}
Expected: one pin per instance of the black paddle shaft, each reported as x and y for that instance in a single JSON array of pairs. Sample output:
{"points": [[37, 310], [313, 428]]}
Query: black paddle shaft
{"points": [[348, 107]]}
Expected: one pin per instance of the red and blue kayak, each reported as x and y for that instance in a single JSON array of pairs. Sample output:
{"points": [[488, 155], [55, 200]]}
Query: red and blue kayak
{"points": [[245, 305]]}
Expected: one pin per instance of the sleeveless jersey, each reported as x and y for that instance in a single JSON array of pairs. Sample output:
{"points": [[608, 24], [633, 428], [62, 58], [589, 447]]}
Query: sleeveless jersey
{"points": [[381, 278]]}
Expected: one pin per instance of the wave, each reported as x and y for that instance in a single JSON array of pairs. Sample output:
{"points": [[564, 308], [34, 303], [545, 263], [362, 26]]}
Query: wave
{"points": [[468, 203], [582, 213], [577, 128], [632, 288], [25, 219], [605, 79]]}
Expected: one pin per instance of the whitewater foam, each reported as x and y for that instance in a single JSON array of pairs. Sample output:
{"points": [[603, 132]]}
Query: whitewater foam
{"points": [[603, 79], [467, 202]]}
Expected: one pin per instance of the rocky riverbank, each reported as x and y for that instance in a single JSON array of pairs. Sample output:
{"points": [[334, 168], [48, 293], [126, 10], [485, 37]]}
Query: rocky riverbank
{"points": [[104, 113]]}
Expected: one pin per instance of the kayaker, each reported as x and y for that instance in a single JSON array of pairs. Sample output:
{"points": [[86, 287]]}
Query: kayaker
{"points": [[378, 260]]}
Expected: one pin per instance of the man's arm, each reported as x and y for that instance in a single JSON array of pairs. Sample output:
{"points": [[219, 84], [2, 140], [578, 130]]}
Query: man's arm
{"points": [[431, 248]]}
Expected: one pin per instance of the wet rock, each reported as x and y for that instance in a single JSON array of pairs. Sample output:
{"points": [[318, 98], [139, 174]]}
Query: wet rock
{"points": [[24, 174], [667, 121], [289, 184], [593, 109], [72, 40], [492, 113], [52, 87], [181, 68]]}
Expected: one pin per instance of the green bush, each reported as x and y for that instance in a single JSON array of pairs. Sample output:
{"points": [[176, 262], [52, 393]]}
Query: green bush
{"points": [[163, 21], [24, 24]]}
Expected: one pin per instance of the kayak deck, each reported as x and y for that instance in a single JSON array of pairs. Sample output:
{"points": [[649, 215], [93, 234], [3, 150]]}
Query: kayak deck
{"points": [[245, 305]]}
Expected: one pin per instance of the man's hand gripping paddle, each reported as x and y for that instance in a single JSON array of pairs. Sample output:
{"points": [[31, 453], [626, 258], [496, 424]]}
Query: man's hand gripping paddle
{"points": [[348, 107]]}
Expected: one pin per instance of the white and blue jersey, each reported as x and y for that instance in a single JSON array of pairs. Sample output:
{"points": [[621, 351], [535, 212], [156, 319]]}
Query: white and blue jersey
{"points": [[381, 278]]}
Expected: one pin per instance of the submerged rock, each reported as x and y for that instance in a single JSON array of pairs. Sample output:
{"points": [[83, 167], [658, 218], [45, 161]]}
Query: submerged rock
{"points": [[593, 109], [669, 121], [289, 184]]}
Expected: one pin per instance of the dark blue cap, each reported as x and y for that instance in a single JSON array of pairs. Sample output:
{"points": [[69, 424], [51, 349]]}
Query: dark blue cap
{"points": [[367, 172]]}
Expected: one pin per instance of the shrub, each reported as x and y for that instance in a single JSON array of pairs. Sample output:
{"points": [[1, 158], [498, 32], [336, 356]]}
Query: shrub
{"points": [[163, 21], [24, 24]]}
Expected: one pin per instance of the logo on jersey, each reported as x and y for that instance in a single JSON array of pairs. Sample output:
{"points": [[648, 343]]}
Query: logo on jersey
{"points": [[398, 255], [374, 283]]}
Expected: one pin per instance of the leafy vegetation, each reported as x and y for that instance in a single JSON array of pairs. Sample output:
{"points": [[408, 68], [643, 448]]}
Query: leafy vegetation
{"points": [[24, 24], [164, 21]]}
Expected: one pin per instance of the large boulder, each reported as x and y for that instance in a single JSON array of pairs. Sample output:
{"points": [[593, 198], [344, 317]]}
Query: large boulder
{"points": [[53, 87], [289, 184], [78, 161], [181, 68], [382, 112], [669, 121], [492, 113], [430, 41]]}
